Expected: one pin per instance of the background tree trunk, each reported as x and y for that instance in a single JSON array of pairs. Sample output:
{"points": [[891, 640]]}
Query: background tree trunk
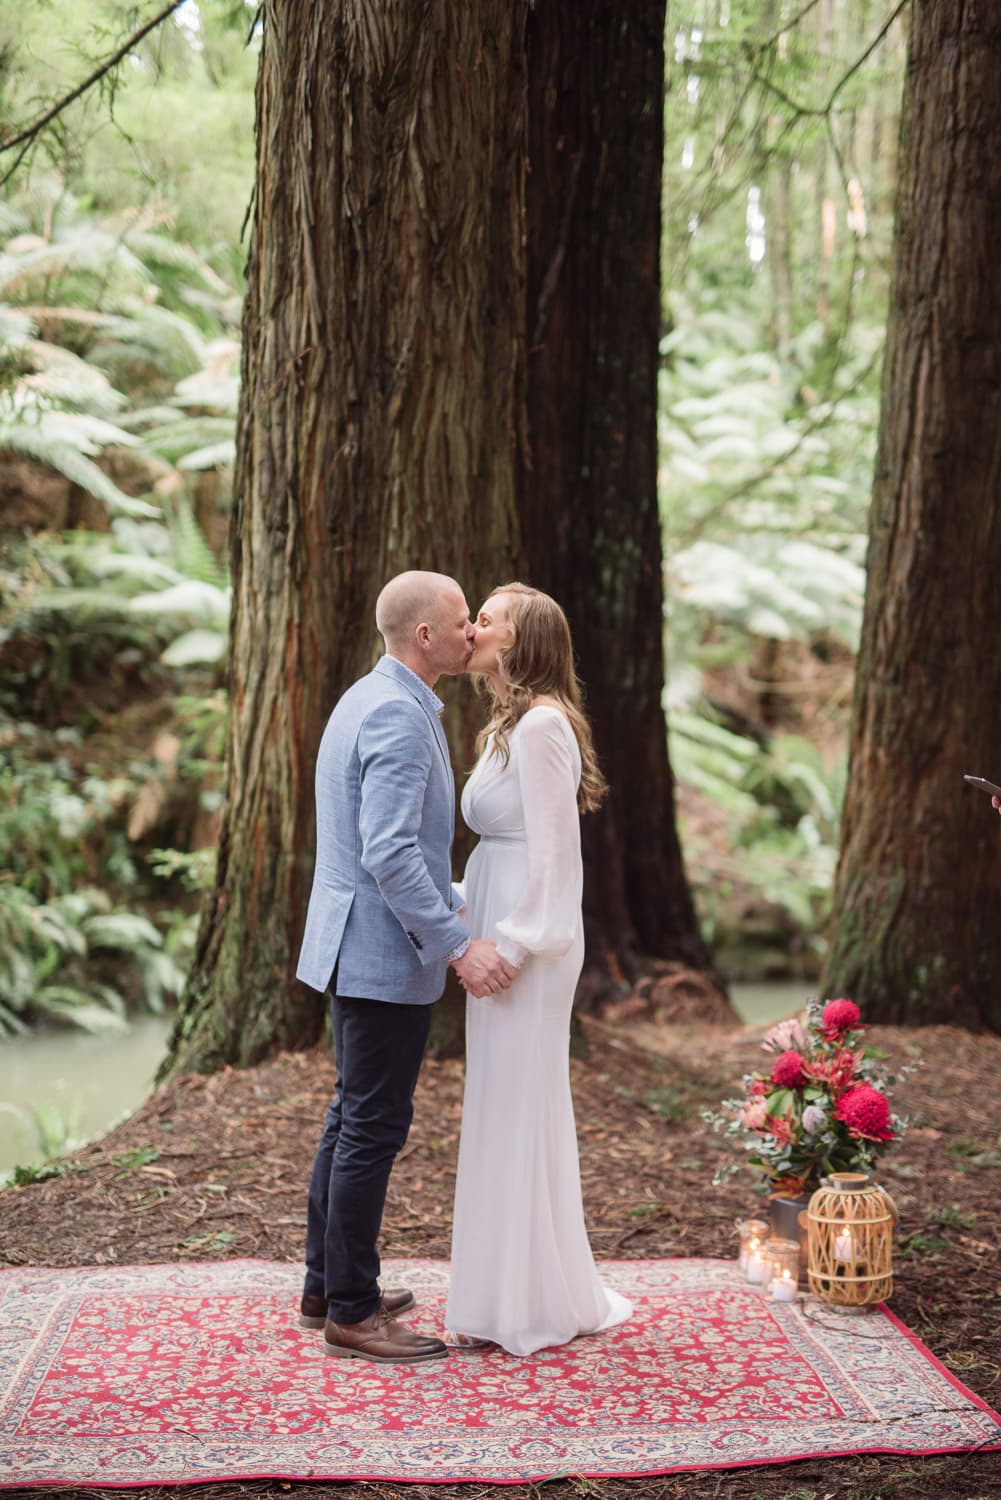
{"points": [[382, 378], [588, 493], [917, 933]]}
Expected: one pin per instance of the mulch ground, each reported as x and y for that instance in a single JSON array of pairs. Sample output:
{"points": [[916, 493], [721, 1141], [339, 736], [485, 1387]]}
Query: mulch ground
{"points": [[216, 1167]]}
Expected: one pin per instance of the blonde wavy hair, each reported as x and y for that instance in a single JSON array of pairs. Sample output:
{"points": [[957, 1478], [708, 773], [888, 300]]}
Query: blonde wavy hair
{"points": [[539, 660]]}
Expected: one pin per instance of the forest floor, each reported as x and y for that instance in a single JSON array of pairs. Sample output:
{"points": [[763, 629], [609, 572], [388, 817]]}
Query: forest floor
{"points": [[216, 1167]]}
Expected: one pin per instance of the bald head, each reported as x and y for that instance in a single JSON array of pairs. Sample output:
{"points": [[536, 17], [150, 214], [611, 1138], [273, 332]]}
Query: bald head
{"points": [[412, 599], [424, 620]]}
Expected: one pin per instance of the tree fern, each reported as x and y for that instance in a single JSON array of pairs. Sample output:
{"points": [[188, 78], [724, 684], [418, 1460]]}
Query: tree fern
{"points": [[39, 442]]}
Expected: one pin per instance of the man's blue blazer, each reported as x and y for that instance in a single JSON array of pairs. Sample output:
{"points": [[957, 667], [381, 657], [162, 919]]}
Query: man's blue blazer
{"points": [[382, 907]]}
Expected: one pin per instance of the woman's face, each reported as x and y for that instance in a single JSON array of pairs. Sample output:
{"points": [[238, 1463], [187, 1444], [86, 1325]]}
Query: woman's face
{"points": [[493, 633]]}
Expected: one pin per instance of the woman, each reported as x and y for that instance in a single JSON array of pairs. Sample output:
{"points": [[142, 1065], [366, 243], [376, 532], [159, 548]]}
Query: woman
{"points": [[522, 1271]]}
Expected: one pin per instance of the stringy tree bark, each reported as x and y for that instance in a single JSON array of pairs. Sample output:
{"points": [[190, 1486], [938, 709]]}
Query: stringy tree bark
{"points": [[382, 377], [588, 492], [917, 923]]}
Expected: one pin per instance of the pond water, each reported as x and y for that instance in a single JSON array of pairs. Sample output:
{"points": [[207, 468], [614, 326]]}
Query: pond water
{"points": [[74, 1087]]}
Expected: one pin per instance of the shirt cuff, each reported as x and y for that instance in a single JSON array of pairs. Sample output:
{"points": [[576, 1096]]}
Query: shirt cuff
{"points": [[458, 951]]}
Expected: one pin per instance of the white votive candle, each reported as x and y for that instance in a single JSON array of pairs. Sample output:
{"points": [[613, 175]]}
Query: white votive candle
{"points": [[783, 1287], [757, 1267], [844, 1246]]}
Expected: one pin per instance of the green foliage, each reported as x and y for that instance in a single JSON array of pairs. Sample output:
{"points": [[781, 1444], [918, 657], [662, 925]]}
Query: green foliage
{"points": [[974, 1156], [50, 967], [765, 497], [195, 868], [55, 826], [23, 1176], [783, 806], [170, 129], [139, 1156], [119, 309], [777, 214]]}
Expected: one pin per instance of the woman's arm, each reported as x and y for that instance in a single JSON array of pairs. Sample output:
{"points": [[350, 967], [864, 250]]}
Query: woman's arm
{"points": [[547, 918]]}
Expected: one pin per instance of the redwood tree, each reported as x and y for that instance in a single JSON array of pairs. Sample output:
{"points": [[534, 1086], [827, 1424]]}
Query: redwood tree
{"points": [[588, 486], [382, 375], [917, 927]]}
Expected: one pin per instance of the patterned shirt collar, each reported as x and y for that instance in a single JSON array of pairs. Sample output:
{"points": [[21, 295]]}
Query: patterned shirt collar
{"points": [[418, 684]]}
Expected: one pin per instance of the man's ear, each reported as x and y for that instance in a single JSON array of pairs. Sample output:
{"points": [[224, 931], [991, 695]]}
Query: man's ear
{"points": [[423, 634]]}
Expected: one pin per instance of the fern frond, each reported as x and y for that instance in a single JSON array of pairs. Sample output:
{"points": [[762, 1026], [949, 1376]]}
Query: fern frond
{"points": [[156, 335], [39, 442], [63, 377], [82, 248], [217, 386], [159, 250], [196, 648], [121, 929], [200, 603], [215, 456], [16, 327], [192, 553], [78, 1007], [187, 434]]}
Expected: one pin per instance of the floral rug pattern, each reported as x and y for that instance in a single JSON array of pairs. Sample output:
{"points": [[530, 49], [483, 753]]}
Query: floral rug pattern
{"points": [[194, 1373]]}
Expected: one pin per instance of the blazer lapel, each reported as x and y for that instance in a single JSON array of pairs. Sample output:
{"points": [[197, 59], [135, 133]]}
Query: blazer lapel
{"points": [[389, 666]]}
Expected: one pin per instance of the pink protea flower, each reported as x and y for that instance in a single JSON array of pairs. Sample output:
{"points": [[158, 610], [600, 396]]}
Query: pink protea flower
{"points": [[837, 1017], [784, 1035], [787, 1070], [754, 1114], [866, 1113]]}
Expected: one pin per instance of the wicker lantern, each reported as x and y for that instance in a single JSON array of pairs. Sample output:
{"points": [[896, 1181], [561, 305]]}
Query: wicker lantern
{"points": [[850, 1241]]}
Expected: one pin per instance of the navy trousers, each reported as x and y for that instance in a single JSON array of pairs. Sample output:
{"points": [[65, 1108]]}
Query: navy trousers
{"points": [[378, 1050]]}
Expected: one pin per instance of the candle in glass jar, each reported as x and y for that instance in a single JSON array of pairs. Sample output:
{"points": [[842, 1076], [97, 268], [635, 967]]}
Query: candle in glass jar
{"points": [[757, 1264], [783, 1287], [752, 1232]]}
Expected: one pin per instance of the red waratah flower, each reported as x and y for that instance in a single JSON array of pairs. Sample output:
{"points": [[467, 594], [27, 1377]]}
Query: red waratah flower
{"points": [[787, 1070], [837, 1017], [866, 1113]]}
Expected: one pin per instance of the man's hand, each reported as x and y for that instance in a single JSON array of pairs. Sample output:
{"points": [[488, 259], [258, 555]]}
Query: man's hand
{"points": [[482, 971]]}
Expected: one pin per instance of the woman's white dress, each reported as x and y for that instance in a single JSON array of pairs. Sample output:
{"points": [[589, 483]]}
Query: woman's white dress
{"points": [[522, 1270]]}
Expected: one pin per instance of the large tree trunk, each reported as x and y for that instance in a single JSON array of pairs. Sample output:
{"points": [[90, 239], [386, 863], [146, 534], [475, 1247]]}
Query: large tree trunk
{"points": [[382, 376], [588, 504], [918, 899]]}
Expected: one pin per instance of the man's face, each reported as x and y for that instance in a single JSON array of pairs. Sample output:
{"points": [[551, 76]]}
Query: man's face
{"points": [[452, 635]]}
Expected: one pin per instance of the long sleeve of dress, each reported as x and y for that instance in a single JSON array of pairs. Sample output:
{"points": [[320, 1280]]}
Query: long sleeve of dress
{"points": [[547, 918]]}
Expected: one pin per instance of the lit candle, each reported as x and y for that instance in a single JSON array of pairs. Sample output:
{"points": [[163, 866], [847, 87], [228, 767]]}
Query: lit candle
{"points": [[783, 1287], [844, 1246], [757, 1264], [750, 1231]]}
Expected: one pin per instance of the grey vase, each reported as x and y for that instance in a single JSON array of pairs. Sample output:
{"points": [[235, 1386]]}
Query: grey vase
{"points": [[783, 1215]]}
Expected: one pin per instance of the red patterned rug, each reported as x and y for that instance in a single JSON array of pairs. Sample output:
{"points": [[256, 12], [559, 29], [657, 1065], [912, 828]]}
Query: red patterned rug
{"points": [[188, 1373]]}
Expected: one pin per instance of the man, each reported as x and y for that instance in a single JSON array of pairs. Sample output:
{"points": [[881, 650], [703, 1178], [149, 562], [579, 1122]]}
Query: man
{"points": [[380, 929]]}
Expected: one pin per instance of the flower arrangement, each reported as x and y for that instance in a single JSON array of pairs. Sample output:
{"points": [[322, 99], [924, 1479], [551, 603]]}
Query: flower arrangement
{"points": [[821, 1107]]}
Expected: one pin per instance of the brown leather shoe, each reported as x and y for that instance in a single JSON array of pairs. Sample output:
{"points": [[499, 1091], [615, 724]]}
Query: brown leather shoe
{"points": [[313, 1310], [380, 1339]]}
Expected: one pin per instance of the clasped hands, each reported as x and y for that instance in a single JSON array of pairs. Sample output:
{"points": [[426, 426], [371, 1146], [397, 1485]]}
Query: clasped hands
{"points": [[482, 971]]}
